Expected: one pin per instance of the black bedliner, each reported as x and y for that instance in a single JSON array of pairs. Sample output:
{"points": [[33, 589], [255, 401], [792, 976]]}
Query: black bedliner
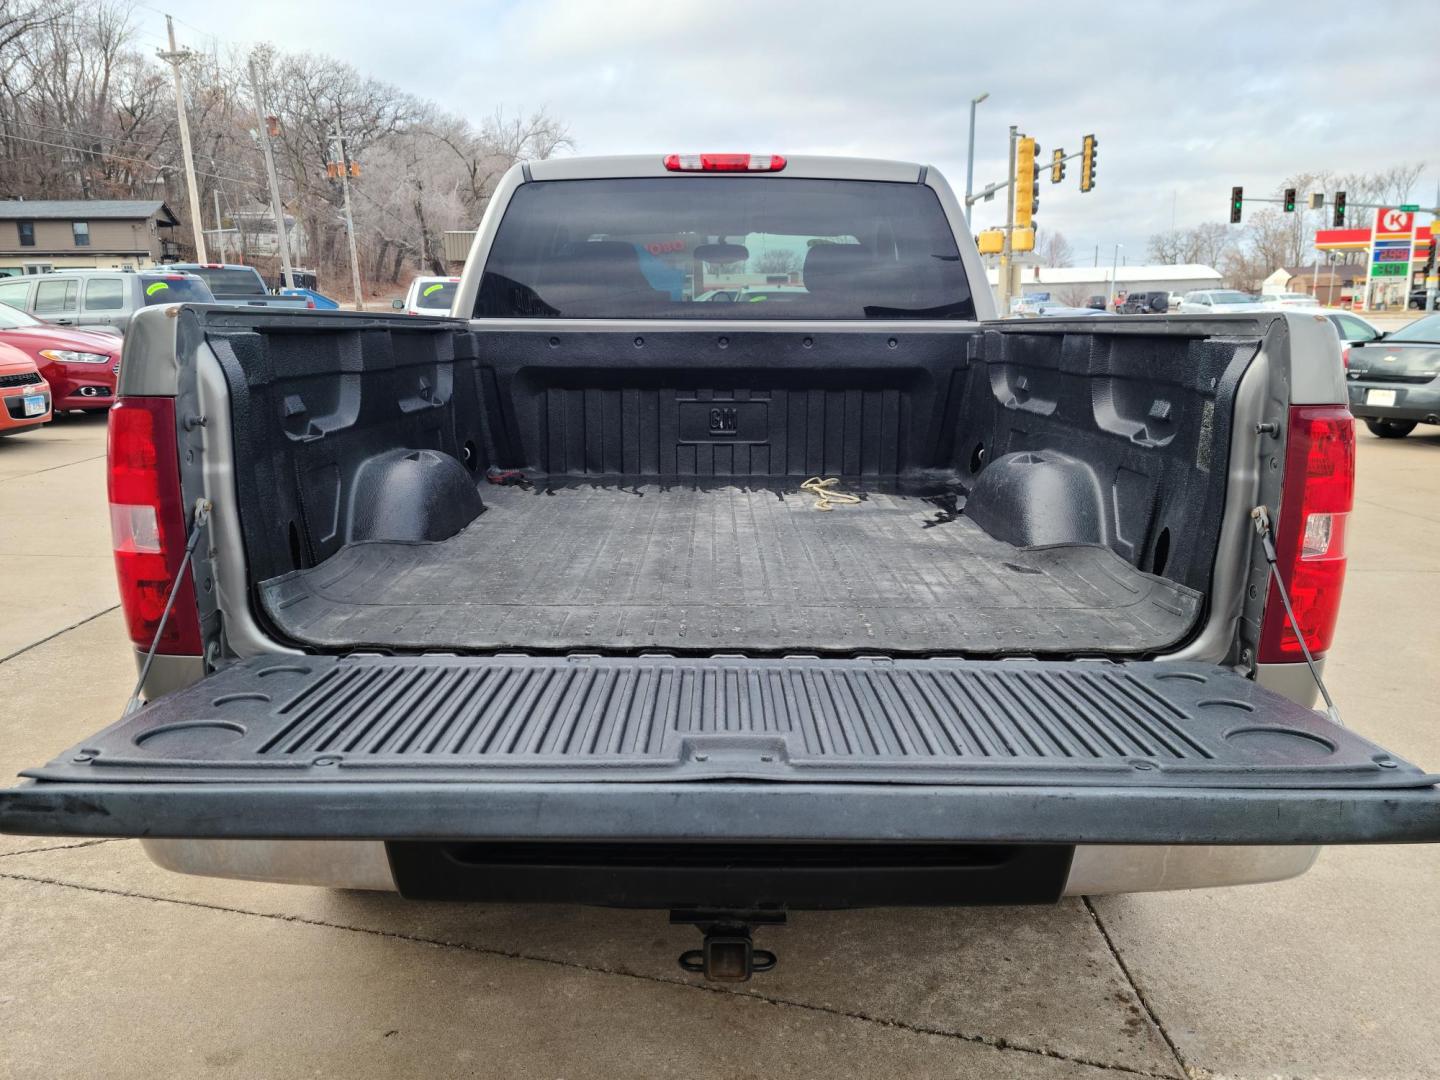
{"points": [[689, 567], [656, 747]]}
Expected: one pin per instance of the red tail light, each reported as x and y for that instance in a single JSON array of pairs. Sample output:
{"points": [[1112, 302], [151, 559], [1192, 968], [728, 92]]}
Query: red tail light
{"points": [[148, 524], [724, 162], [1345, 356], [1310, 537]]}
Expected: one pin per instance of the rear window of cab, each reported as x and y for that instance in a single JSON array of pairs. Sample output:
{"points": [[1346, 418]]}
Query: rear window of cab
{"points": [[436, 294], [726, 247], [174, 289]]}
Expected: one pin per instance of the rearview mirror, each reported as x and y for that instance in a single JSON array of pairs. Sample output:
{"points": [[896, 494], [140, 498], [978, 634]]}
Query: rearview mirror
{"points": [[398, 305], [722, 253]]}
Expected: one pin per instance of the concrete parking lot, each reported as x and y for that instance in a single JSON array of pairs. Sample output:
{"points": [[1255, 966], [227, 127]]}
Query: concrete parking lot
{"points": [[111, 967]]}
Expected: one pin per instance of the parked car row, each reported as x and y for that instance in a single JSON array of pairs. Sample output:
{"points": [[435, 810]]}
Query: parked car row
{"points": [[1160, 302], [100, 300], [78, 367]]}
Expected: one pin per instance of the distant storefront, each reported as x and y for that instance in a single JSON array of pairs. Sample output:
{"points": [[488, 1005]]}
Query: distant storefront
{"points": [[1355, 243]]}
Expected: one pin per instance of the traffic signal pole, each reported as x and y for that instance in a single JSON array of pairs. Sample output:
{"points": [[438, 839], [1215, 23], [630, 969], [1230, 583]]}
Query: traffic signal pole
{"points": [[1005, 252]]}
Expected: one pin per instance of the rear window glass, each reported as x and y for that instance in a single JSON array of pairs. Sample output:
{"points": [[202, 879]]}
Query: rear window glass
{"points": [[706, 247], [171, 289], [436, 294], [230, 282]]}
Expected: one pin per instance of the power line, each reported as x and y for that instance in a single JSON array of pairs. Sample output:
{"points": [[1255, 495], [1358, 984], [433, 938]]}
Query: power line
{"points": [[120, 157], [136, 143]]}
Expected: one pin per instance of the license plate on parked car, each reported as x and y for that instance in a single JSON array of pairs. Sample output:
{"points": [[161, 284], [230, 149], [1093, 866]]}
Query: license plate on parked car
{"points": [[1380, 397], [34, 404]]}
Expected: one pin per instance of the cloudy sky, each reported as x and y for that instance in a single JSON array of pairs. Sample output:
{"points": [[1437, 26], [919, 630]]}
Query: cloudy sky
{"points": [[1186, 100]]}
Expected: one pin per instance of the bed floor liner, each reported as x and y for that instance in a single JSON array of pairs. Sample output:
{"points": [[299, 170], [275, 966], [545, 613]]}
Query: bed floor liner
{"points": [[727, 568]]}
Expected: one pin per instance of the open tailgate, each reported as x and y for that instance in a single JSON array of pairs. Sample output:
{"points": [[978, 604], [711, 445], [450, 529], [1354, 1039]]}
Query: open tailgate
{"points": [[666, 748]]}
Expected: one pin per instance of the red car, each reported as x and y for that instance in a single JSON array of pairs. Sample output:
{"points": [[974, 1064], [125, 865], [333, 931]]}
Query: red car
{"points": [[80, 365]]}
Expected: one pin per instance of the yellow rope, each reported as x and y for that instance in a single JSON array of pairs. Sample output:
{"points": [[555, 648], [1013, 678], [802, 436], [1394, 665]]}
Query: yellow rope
{"points": [[829, 499]]}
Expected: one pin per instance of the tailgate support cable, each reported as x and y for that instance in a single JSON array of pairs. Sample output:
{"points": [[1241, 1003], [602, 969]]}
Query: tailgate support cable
{"points": [[198, 523], [1261, 516]]}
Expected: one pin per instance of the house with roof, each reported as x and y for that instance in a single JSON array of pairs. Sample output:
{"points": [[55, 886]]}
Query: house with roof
{"points": [[1333, 284], [40, 235]]}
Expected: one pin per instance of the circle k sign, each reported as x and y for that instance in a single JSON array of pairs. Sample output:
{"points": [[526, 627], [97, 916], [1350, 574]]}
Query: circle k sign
{"points": [[1395, 221]]}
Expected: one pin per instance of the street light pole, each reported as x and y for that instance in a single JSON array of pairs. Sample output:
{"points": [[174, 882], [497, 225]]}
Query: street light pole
{"points": [[1114, 267], [970, 155]]}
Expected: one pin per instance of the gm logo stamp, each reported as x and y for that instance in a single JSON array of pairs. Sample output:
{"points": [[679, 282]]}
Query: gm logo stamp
{"points": [[724, 421]]}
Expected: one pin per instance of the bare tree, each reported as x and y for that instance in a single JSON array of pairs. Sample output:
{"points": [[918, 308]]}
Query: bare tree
{"points": [[1052, 248], [85, 112], [1165, 247], [777, 261], [1205, 244]]}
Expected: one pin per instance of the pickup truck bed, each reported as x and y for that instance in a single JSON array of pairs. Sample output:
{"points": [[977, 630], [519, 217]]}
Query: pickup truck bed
{"points": [[1021, 491], [639, 565]]}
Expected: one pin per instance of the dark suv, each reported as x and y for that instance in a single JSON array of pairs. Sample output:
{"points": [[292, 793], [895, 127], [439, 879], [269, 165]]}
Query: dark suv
{"points": [[1146, 303]]}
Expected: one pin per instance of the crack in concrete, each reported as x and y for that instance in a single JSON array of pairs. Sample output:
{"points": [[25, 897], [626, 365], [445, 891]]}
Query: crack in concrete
{"points": [[995, 1042], [51, 468], [58, 847], [1135, 986], [57, 633]]}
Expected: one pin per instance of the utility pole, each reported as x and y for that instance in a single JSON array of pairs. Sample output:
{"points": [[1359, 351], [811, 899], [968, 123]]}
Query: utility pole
{"points": [[175, 57], [262, 131], [1114, 269], [219, 224], [1005, 258], [349, 218], [970, 156]]}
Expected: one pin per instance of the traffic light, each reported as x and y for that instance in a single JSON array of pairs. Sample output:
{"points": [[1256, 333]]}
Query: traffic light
{"points": [[1057, 166], [1087, 162], [1289, 200], [1027, 182], [991, 241], [1022, 240], [1237, 200], [1339, 210]]}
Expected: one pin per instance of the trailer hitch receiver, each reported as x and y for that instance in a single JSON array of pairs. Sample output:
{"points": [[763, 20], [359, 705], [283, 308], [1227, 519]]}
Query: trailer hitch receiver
{"points": [[728, 953]]}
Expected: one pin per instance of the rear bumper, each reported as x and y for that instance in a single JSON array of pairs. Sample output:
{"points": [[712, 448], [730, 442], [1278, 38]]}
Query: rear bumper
{"points": [[12, 407], [1413, 401], [1095, 869]]}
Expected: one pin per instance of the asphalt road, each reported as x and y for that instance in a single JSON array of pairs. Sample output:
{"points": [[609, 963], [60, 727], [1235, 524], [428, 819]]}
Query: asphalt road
{"points": [[111, 967]]}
